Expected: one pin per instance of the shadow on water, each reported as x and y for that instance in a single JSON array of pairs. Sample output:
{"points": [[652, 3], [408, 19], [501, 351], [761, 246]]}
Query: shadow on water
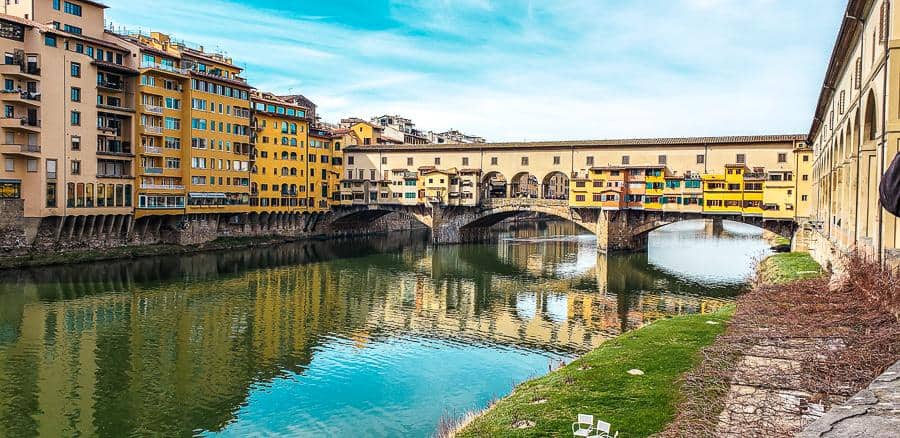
{"points": [[289, 339]]}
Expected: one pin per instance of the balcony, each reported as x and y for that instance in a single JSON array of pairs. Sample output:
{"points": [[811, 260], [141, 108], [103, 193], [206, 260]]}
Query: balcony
{"points": [[29, 72], [153, 170], [115, 148], [108, 131], [152, 150], [152, 109], [152, 130], [25, 97], [161, 187], [114, 176], [26, 150], [23, 123], [116, 87], [288, 194], [163, 67], [117, 108]]}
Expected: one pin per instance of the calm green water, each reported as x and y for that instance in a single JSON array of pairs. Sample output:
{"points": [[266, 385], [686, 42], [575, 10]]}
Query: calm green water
{"points": [[375, 337]]}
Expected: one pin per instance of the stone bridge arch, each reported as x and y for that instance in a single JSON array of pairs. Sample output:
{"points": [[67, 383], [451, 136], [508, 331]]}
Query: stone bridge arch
{"points": [[457, 225], [364, 219]]}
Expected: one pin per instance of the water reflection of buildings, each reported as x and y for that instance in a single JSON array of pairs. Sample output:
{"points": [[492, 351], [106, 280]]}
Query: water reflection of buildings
{"points": [[169, 346]]}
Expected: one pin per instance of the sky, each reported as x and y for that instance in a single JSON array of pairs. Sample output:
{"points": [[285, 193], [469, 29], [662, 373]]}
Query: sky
{"points": [[526, 70]]}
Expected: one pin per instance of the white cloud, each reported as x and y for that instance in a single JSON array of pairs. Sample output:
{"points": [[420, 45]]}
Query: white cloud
{"points": [[536, 70]]}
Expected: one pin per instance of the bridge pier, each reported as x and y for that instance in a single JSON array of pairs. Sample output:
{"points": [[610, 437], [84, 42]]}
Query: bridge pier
{"points": [[713, 227]]}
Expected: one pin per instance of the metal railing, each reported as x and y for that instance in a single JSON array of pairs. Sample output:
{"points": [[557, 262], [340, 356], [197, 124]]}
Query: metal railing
{"points": [[153, 109], [152, 150], [163, 67], [153, 170], [161, 187], [153, 129]]}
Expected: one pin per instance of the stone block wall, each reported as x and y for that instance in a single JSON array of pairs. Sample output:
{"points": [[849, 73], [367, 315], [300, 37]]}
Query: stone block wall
{"points": [[12, 225]]}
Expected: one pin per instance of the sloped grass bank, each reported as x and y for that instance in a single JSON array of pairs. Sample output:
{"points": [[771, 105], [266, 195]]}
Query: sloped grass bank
{"points": [[599, 383]]}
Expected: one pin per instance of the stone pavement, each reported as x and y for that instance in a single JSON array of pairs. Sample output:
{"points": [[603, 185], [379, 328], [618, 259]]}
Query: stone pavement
{"points": [[872, 413]]}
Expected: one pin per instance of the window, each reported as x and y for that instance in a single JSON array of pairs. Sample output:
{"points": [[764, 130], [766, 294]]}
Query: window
{"points": [[806, 158], [76, 143], [72, 29], [10, 165], [72, 8], [494, 161], [701, 158], [50, 40], [75, 70], [383, 160], [804, 197], [437, 161], [32, 165], [590, 161], [556, 160], [76, 94], [56, 6], [465, 161], [579, 198], [741, 159], [662, 159], [76, 167], [805, 177], [76, 118], [51, 195], [350, 160], [626, 160], [524, 161], [409, 161]]}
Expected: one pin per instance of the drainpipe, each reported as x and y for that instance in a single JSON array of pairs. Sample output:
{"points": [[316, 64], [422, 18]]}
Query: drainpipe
{"points": [[858, 133], [887, 58]]}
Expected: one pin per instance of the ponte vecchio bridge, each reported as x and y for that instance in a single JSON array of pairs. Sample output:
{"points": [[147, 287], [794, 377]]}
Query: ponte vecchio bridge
{"points": [[621, 190]]}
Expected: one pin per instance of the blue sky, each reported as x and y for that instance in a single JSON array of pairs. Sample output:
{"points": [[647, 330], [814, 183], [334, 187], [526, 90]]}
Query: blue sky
{"points": [[526, 70]]}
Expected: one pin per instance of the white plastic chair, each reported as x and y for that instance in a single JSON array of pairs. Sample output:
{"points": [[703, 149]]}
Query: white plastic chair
{"points": [[584, 426], [602, 430]]}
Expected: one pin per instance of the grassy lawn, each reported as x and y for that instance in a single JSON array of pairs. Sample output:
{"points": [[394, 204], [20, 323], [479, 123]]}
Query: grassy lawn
{"points": [[598, 383], [790, 266], [781, 241]]}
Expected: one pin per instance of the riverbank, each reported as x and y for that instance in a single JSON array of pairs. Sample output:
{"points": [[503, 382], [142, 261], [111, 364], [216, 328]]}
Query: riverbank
{"points": [[798, 345], [599, 383], [131, 252]]}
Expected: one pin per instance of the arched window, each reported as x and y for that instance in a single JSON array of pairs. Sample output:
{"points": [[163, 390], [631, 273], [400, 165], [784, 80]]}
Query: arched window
{"points": [[79, 195], [293, 142], [89, 195], [293, 171], [284, 155], [284, 171], [101, 195], [294, 156], [284, 141], [70, 195], [871, 123], [293, 128]]}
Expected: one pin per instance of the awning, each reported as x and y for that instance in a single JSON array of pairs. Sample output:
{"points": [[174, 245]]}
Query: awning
{"points": [[10, 181], [208, 195]]}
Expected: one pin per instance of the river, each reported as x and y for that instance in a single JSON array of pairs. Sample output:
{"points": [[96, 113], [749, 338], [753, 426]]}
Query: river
{"points": [[369, 337]]}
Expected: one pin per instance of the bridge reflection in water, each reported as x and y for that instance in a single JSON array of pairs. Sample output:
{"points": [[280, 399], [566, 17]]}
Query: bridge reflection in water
{"points": [[176, 345]]}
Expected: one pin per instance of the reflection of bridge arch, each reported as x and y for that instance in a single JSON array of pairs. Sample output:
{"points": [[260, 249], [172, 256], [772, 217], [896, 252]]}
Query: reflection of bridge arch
{"points": [[555, 186], [495, 185]]}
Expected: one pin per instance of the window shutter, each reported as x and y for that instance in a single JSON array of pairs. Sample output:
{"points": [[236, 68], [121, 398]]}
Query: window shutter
{"points": [[858, 80]]}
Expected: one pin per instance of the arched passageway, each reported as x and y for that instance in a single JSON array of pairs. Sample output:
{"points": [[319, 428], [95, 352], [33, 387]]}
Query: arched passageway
{"points": [[495, 186], [555, 186], [524, 185]]}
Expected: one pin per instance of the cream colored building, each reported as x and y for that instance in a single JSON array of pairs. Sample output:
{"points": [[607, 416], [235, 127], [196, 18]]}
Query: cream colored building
{"points": [[68, 110], [855, 134]]}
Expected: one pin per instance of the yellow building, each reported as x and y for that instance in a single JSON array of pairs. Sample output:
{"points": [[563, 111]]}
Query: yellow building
{"points": [[194, 129], [655, 180], [280, 171], [435, 185], [723, 193], [323, 173]]}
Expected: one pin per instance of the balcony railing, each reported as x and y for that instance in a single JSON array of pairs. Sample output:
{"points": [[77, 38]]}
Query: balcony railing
{"points": [[163, 67], [29, 148], [110, 85], [153, 129], [153, 109], [25, 95], [115, 147], [153, 170], [161, 187], [152, 150], [28, 69], [114, 175]]}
